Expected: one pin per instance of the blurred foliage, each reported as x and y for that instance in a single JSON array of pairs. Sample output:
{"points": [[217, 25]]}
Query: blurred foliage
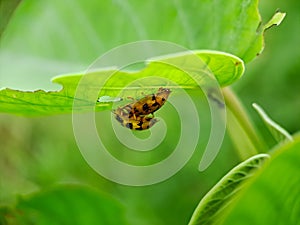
{"points": [[67, 204], [39, 152], [78, 31], [7, 8]]}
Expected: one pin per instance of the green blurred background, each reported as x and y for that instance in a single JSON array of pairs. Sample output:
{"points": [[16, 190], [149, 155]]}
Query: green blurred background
{"points": [[39, 152]]}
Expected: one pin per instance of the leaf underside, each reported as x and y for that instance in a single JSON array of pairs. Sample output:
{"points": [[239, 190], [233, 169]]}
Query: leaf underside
{"points": [[224, 67], [273, 195], [221, 195]]}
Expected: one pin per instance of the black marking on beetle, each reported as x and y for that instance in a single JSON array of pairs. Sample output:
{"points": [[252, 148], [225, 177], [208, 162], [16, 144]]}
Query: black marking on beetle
{"points": [[155, 104], [129, 125], [130, 114], [145, 107]]}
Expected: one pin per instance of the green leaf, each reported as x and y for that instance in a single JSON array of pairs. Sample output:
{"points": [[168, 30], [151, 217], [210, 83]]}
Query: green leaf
{"points": [[226, 68], [221, 195], [275, 20], [66, 36], [67, 205], [273, 194], [279, 133]]}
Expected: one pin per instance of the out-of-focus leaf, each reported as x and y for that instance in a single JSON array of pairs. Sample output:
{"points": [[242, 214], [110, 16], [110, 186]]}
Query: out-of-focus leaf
{"points": [[4, 214], [276, 130], [221, 195], [273, 196], [67, 205], [52, 37], [7, 7], [225, 67]]}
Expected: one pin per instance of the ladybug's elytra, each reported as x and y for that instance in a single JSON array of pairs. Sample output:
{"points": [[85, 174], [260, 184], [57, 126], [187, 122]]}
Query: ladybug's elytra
{"points": [[150, 103]]}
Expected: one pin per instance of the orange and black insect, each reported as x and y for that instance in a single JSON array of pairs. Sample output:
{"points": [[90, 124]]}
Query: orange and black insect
{"points": [[150, 103], [139, 114], [140, 123]]}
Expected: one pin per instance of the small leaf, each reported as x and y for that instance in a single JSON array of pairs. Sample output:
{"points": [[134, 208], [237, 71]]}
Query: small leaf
{"points": [[273, 195], [226, 68], [275, 20], [277, 131], [68, 205], [220, 196]]}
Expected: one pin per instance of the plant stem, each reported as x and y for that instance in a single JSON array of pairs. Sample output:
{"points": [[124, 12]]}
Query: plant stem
{"points": [[241, 130]]}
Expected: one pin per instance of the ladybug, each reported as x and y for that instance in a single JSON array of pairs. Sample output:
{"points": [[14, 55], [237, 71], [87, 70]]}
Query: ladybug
{"points": [[150, 103], [135, 115]]}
